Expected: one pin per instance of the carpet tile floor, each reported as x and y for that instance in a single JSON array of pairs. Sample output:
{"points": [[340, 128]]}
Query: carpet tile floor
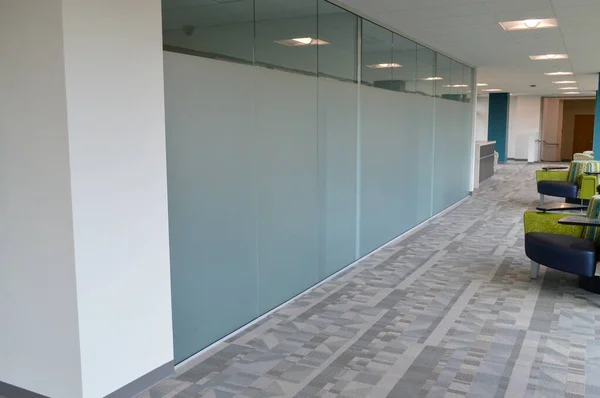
{"points": [[448, 311]]}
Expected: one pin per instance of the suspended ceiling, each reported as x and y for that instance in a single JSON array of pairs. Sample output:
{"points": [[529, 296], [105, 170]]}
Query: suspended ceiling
{"points": [[469, 31]]}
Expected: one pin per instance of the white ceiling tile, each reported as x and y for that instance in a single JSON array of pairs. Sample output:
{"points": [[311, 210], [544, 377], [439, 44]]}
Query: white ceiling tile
{"points": [[573, 3], [499, 6], [579, 12], [465, 31], [540, 13]]}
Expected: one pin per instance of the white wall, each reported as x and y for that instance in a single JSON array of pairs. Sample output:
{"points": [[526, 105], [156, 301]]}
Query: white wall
{"points": [[512, 116], [481, 123], [113, 52], [39, 341], [85, 278], [524, 124]]}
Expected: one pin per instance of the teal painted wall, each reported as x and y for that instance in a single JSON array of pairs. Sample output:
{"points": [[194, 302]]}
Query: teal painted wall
{"points": [[498, 118], [597, 124]]}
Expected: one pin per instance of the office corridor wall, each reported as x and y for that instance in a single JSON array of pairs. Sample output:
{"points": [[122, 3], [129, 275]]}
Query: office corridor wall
{"points": [[278, 180], [300, 138]]}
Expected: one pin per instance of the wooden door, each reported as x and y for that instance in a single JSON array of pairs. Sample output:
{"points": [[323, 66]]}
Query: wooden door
{"points": [[583, 133]]}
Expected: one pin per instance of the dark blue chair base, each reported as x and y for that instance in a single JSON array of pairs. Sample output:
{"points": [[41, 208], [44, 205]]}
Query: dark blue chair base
{"points": [[577, 201], [562, 252], [561, 189], [592, 284]]}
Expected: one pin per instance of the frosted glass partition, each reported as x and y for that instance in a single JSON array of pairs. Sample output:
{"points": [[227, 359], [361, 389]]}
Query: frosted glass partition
{"points": [[337, 174], [421, 145], [452, 153], [285, 164], [396, 164], [212, 218], [286, 184], [380, 190]]}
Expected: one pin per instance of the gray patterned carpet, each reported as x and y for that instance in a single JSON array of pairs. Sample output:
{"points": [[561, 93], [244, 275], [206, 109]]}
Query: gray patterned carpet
{"points": [[449, 311]]}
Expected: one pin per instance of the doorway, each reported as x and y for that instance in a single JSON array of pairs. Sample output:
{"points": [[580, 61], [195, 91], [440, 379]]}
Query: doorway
{"points": [[577, 126], [583, 134]]}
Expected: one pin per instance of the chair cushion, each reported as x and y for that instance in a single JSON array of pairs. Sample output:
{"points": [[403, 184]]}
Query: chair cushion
{"points": [[562, 252], [562, 189]]}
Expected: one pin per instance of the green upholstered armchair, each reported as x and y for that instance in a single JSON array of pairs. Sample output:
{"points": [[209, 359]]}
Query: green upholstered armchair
{"points": [[586, 184], [568, 248], [582, 156], [547, 222], [536, 221]]}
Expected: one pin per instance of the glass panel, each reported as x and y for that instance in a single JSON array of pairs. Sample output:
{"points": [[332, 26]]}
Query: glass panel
{"points": [[210, 29], [337, 173], [265, 151], [405, 54], [337, 140], [457, 86], [443, 76], [453, 137], [396, 149], [425, 71], [211, 198], [377, 59], [379, 145], [468, 81], [286, 35], [286, 159], [339, 28]]}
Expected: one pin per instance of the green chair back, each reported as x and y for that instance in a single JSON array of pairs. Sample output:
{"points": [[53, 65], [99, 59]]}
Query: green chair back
{"points": [[593, 233], [593, 166], [578, 167]]}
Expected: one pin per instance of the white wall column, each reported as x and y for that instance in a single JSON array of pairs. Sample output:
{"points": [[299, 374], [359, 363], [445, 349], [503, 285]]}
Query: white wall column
{"points": [[524, 127], [85, 297]]}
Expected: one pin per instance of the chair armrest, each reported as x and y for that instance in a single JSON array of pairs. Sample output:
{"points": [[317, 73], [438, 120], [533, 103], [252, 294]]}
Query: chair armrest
{"points": [[551, 175], [577, 220], [589, 184], [548, 222]]}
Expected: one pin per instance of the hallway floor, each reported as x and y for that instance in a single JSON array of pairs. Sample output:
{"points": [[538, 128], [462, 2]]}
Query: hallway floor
{"points": [[449, 311]]}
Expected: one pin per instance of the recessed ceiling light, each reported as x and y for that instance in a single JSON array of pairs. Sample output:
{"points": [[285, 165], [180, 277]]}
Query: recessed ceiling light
{"points": [[492, 90], [482, 84], [568, 88], [558, 73], [455, 85], [432, 78], [565, 82], [301, 41], [529, 24], [548, 57], [572, 92], [532, 23], [385, 66]]}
